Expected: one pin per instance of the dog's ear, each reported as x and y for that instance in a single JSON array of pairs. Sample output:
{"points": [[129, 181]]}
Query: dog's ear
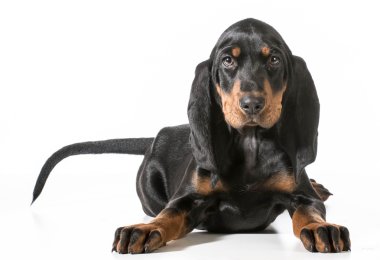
{"points": [[199, 114], [297, 129], [207, 126]]}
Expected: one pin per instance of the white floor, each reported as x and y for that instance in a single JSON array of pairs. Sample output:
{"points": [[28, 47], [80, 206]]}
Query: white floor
{"points": [[85, 70], [87, 197]]}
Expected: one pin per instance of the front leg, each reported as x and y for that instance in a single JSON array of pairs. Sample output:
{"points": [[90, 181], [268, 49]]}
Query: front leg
{"points": [[309, 224], [180, 217], [170, 224]]}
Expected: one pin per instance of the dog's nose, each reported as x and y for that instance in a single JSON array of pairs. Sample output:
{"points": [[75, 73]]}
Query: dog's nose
{"points": [[251, 105]]}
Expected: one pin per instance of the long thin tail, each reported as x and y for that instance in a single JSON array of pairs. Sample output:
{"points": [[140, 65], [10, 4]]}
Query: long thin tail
{"points": [[136, 146]]}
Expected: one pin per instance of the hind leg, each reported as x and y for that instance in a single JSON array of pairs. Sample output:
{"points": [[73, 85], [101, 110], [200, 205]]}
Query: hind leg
{"points": [[322, 192]]}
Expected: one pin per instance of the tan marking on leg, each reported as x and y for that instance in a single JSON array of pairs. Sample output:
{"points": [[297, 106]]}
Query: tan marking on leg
{"points": [[304, 216], [203, 185], [172, 225], [169, 225], [282, 181], [316, 234]]}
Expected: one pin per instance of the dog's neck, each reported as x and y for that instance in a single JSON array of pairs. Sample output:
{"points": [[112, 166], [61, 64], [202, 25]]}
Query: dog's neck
{"points": [[248, 153], [249, 146]]}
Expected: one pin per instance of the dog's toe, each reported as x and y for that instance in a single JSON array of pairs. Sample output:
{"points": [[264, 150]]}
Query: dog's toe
{"points": [[137, 239], [325, 238]]}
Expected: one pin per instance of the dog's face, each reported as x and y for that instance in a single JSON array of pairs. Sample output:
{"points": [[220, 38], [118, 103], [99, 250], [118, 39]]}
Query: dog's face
{"points": [[252, 79], [249, 74]]}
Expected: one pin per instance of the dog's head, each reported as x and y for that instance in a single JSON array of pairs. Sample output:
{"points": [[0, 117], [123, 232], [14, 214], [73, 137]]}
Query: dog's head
{"points": [[253, 80], [249, 71]]}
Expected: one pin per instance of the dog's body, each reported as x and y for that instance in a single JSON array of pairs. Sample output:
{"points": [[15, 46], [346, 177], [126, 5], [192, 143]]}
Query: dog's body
{"points": [[249, 201], [253, 118]]}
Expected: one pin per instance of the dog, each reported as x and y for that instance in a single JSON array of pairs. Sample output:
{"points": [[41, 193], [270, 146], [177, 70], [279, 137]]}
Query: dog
{"points": [[240, 162]]}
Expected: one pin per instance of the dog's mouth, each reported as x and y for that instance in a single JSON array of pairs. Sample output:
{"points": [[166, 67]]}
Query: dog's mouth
{"points": [[251, 122]]}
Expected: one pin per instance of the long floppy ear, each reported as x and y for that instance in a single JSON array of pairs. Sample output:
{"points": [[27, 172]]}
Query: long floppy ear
{"points": [[199, 114], [208, 129], [297, 129]]}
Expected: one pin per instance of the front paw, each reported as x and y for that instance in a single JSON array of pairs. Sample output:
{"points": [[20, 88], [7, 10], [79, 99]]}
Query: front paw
{"points": [[136, 239], [325, 238]]}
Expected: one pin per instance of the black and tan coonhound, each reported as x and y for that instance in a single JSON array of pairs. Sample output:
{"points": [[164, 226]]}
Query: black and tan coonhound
{"points": [[240, 162]]}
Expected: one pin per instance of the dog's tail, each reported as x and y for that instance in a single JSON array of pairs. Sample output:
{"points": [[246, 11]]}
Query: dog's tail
{"points": [[136, 146]]}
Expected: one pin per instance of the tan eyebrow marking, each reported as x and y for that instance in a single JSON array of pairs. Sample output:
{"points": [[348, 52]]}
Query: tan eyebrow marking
{"points": [[265, 51], [236, 52]]}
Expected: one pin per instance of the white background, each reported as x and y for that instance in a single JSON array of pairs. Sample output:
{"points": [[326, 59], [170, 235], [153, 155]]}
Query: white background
{"points": [[75, 71]]}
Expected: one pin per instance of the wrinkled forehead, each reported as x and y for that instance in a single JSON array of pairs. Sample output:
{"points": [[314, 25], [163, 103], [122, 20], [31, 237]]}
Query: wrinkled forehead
{"points": [[245, 41], [250, 34], [250, 42]]}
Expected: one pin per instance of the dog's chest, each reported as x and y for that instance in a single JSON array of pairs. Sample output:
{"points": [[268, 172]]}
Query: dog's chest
{"points": [[258, 190], [260, 158]]}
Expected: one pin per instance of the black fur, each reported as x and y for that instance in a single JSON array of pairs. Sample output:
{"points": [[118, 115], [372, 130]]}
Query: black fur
{"points": [[241, 159], [296, 131], [136, 146]]}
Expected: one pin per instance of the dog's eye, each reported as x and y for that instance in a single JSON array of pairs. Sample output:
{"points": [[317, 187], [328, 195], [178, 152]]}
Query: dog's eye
{"points": [[228, 62], [274, 61]]}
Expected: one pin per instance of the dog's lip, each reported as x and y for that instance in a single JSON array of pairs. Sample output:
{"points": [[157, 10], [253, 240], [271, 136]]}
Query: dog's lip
{"points": [[251, 122]]}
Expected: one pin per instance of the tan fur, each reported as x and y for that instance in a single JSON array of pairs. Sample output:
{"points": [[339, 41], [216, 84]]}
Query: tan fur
{"points": [[233, 114], [236, 117], [309, 218], [236, 52], [265, 51], [168, 225], [202, 185], [173, 224], [305, 216], [282, 181], [272, 110]]}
